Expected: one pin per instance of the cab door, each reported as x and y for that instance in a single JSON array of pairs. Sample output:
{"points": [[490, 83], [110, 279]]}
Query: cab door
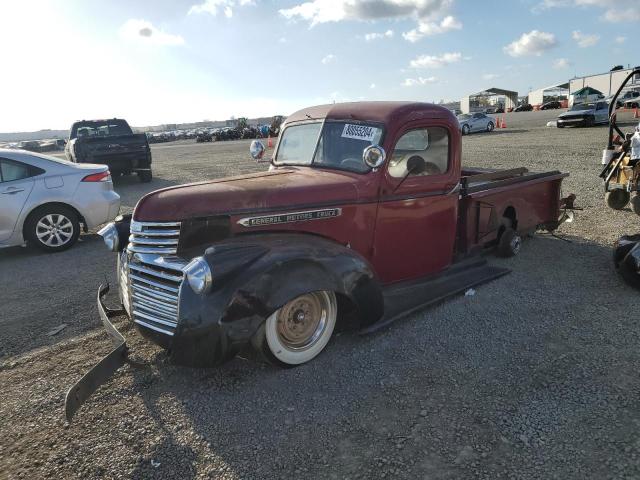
{"points": [[417, 211], [16, 183]]}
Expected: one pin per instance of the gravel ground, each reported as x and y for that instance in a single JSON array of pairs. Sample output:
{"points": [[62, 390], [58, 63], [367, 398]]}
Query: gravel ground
{"points": [[535, 376]]}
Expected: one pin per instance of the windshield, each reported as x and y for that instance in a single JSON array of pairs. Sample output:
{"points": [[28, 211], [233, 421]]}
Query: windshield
{"points": [[464, 117], [336, 145], [583, 106]]}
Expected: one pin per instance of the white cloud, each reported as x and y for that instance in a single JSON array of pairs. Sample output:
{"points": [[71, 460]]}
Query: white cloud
{"points": [[432, 15], [328, 59], [372, 86], [615, 10], [490, 76], [584, 40], [376, 36], [560, 63], [282, 40], [620, 39], [435, 61], [447, 24], [213, 6], [533, 43], [144, 32], [412, 82]]}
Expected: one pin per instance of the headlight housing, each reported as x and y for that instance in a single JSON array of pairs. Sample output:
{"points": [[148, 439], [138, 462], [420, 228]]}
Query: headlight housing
{"points": [[199, 276], [111, 237]]}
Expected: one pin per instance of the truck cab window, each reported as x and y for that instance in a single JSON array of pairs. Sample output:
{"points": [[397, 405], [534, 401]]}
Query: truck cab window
{"points": [[432, 144], [10, 171]]}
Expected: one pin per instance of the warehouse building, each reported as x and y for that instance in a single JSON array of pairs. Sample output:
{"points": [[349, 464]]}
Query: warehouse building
{"points": [[559, 91], [607, 83], [478, 102]]}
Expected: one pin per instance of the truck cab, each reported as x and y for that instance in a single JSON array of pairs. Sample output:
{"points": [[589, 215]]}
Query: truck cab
{"points": [[364, 215]]}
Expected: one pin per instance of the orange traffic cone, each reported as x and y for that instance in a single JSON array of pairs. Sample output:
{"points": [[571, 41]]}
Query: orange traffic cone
{"points": [[269, 142], [635, 114], [503, 123], [498, 124]]}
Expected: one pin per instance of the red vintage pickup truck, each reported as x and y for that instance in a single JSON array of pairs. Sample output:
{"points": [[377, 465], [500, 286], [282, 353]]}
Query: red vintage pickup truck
{"points": [[365, 214]]}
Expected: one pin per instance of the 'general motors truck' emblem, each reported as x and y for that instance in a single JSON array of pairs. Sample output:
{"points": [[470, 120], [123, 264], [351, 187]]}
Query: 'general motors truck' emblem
{"points": [[290, 217]]}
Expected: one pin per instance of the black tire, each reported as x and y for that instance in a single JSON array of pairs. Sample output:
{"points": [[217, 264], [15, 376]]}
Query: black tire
{"points": [[52, 228], [617, 199], [490, 127], [145, 176], [635, 205], [509, 244], [589, 122], [465, 130]]}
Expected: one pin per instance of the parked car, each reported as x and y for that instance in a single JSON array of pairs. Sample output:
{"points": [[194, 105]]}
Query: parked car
{"points": [[525, 107], [553, 105], [630, 96], [113, 143], [585, 115], [204, 136], [632, 102], [45, 200], [475, 122], [337, 232]]}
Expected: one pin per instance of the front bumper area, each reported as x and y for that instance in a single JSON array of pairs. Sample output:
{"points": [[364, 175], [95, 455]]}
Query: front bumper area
{"points": [[104, 369], [572, 122]]}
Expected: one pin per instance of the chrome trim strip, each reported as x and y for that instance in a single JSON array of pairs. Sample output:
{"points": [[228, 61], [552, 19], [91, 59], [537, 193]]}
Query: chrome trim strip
{"points": [[164, 250], [160, 296], [156, 273], [154, 314], [151, 282], [157, 329], [137, 240], [146, 302], [290, 217], [151, 318]]}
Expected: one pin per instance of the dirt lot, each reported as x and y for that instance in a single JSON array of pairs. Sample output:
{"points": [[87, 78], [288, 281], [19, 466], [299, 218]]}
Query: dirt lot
{"points": [[536, 376]]}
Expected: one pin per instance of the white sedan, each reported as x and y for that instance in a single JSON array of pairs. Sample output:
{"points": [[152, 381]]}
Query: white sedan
{"points": [[45, 201]]}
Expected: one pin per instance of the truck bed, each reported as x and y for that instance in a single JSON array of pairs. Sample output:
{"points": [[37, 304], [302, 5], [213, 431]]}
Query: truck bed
{"points": [[491, 200]]}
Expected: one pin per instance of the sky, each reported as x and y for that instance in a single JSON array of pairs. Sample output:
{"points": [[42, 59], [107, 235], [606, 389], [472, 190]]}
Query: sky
{"points": [[172, 61]]}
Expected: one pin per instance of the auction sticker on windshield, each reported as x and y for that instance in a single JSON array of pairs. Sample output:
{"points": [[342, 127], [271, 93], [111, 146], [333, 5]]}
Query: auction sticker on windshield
{"points": [[360, 132]]}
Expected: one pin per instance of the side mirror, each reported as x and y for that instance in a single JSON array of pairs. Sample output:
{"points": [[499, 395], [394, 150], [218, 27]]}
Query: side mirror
{"points": [[374, 156], [256, 150], [416, 165]]}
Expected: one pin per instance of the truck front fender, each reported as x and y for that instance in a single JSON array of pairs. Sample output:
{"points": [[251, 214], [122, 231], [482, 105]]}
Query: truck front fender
{"points": [[276, 268], [295, 264]]}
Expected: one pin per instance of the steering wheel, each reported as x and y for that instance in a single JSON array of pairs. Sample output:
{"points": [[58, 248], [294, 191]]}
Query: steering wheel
{"points": [[356, 162]]}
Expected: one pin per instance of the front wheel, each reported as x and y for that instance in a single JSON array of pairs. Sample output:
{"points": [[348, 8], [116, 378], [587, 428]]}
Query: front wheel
{"points": [[635, 205], [465, 129], [298, 331], [490, 126]]}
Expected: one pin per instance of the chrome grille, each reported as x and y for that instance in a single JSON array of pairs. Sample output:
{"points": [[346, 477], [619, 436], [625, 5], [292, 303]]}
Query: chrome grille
{"points": [[160, 238], [155, 275]]}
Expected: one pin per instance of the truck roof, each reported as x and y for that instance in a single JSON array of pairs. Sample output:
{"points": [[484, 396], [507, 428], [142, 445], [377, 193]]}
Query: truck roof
{"points": [[392, 114]]}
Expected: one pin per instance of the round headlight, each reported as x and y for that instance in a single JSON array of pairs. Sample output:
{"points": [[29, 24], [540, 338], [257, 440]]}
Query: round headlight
{"points": [[199, 275], [109, 234]]}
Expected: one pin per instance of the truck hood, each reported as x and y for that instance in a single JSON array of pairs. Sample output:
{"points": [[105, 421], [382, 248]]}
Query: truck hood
{"points": [[279, 189]]}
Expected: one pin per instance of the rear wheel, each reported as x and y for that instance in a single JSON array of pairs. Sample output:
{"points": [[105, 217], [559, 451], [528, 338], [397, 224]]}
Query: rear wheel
{"points": [[298, 331], [52, 229], [589, 122], [617, 199], [510, 243], [145, 176]]}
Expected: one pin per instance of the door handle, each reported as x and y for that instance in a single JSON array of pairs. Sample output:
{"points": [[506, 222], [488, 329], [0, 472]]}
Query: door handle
{"points": [[12, 191]]}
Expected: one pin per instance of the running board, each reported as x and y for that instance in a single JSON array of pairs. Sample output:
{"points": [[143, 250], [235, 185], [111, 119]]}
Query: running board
{"points": [[403, 299]]}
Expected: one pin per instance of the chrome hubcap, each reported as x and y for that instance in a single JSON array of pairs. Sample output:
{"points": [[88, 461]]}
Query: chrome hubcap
{"points": [[301, 322], [54, 230], [515, 244]]}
